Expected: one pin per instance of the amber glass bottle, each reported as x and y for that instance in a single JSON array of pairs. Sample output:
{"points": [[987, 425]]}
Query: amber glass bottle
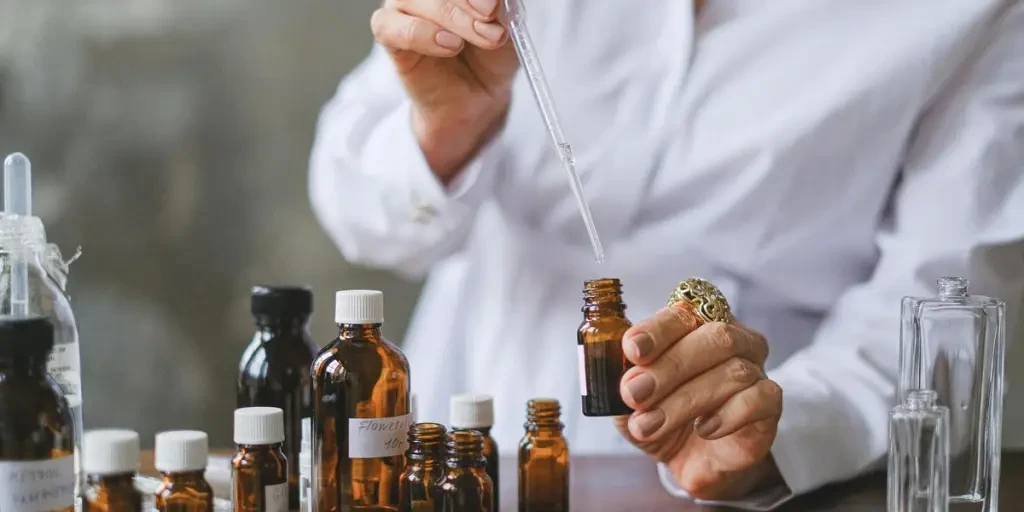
{"points": [[599, 348], [360, 411], [424, 466], [543, 460], [274, 371], [180, 457], [476, 412], [465, 486], [259, 470], [36, 427], [110, 459]]}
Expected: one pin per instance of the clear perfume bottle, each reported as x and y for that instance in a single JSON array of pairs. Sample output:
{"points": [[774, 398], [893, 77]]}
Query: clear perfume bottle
{"points": [[919, 454], [955, 344]]}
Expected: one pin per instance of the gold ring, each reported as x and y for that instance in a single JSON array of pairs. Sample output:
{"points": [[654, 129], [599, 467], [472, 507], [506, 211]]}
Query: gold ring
{"points": [[704, 298]]}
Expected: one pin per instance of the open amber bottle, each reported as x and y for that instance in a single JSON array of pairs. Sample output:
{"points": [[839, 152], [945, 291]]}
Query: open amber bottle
{"points": [[599, 348], [465, 486], [361, 411], [423, 468], [543, 460]]}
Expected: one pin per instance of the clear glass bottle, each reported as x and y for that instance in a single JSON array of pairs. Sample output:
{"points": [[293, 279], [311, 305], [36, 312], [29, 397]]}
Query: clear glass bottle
{"points": [[543, 459], [361, 411], [110, 459], [919, 455], [33, 275], [476, 412], [274, 370], [599, 348], [955, 344], [465, 485], [424, 466], [259, 469], [36, 425], [180, 457]]}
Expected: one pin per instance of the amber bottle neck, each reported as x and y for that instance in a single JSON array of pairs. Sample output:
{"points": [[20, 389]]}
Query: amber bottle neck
{"points": [[426, 443], [465, 449], [368, 332], [122, 482], [543, 416], [188, 478], [603, 298]]}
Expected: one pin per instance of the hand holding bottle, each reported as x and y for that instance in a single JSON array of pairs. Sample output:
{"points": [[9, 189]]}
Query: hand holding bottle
{"points": [[457, 68], [703, 404]]}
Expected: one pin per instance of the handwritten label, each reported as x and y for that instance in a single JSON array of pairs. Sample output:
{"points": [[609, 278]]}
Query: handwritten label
{"points": [[64, 364], [37, 485], [581, 361], [275, 498], [370, 438]]}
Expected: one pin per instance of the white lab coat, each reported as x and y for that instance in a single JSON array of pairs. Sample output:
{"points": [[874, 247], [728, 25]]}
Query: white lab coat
{"points": [[816, 160]]}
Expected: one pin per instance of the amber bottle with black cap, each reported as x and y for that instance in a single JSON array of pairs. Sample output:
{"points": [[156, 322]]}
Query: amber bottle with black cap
{"points": [[602, 362], [275, 367], [37, 464]]}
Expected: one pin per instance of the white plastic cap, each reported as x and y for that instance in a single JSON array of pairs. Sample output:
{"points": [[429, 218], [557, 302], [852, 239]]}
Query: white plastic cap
{"points": [[358, 307], [472, 411], [259, 425], [181, 450], [110, 452]]}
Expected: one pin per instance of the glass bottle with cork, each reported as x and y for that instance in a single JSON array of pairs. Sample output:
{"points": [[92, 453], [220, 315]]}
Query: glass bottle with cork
{"points": [[180, 457], [110, 459], [476, 412], [259, 469], [424, 466], [599, 348], [465, 485], [361, 410], [275, 367], [543, 459], [36, 423]]}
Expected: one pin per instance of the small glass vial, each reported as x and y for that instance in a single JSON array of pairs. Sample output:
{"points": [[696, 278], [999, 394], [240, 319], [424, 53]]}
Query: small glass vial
{"points": [[306, 466], [37, 440], [599, 348], [110, 460], [259, 470], [476, 412], [465, 486], [274, 370], [955, 344], [424, 466], [180, 457], [361, 411], [919, 455], [543, 459]]}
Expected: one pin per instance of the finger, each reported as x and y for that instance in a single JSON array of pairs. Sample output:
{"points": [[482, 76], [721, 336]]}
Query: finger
{"points": [[762, 401], [648, 339], [701, 350], [454, 16], [398, 31], [702, 395]]}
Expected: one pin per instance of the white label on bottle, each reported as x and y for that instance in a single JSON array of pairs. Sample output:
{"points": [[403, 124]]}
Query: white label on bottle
{"points": [[369, 438], [581, 361], [64, 365], [275, 498], [37, 485]]}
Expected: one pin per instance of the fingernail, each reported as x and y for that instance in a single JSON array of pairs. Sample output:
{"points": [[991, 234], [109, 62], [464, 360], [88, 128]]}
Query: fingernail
{"points": [[706, 427], [641, 387], [649, 422], [642, 344], [448, 40], [484, 7], [491, 31]]}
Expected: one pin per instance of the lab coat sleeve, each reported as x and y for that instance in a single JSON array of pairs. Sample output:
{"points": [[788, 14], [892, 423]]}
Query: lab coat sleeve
{"points": [[958, 210], [370, 185]]}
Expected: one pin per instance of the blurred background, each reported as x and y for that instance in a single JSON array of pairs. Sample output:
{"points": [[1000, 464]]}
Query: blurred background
{"points": [[170, 139]]}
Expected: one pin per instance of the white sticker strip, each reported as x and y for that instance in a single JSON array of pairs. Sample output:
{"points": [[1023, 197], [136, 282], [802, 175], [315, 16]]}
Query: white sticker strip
{"points": [[581, 360], [370, 438], [37, 485], [64, 365], [275, 498]]}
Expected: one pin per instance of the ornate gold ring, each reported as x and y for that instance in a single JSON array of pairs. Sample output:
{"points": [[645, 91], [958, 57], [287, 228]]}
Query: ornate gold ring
{"points": [[703, 298]]}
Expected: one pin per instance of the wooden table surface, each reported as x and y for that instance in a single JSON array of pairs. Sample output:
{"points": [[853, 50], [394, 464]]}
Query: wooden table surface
{"points": [[630, 484]]}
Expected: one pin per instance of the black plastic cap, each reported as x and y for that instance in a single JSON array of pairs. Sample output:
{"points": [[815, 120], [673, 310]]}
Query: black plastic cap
{"points": [[25, 336], [281, 301]]}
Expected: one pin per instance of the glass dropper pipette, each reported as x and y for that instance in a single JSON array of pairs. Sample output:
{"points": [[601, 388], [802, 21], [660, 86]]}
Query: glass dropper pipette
{"points": [[515, 18], [18, 201]]}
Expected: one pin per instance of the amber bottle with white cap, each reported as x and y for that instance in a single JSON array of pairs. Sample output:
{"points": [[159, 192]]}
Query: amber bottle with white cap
{"points": [[180, 457], [476, 412], [259, 469], [110, 460], [361, 410]]}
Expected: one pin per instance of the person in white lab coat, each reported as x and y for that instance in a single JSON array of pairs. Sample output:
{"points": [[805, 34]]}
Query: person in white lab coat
{"points": [[815, 160]]}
